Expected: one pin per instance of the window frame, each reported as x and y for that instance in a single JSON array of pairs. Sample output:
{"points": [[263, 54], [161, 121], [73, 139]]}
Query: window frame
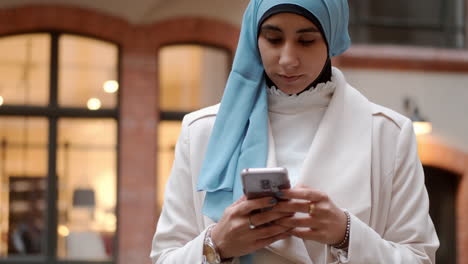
{"points": [[53, 112]]}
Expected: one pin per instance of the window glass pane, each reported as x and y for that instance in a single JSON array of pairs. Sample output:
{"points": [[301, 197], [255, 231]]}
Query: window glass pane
{"points": [[23, 171], [401, 36], [86, 167], [87, 70], [191, 76], [168, 133], [433, 23], [24, 69], [422, 11]]}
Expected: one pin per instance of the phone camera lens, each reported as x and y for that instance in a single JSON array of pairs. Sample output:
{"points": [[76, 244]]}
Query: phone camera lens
{"points": [[266, 184]]}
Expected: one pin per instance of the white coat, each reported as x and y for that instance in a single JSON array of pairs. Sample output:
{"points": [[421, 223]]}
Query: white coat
{"points": [[364, 156]]}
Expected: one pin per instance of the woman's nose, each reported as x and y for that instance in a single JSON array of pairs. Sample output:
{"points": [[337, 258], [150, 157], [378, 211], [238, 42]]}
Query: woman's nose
{"points": [[288, 56]]}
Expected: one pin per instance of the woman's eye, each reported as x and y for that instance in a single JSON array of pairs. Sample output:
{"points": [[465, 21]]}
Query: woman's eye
{"points": [[307, 42], [274, 40]]}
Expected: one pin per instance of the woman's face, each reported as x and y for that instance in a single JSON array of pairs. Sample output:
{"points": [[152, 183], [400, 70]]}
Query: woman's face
{"points": [[293, 51]]}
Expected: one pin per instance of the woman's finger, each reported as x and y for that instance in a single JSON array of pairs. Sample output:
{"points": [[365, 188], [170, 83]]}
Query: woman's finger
{"points": [[247, 206], [298, 221], [304, 194], [269, 231], [241, 199], [261, 243], [233, 206], [292, 206], [266, 217]]}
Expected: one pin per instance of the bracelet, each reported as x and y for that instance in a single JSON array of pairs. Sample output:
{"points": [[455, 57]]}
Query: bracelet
{"points": [[344, 244]]}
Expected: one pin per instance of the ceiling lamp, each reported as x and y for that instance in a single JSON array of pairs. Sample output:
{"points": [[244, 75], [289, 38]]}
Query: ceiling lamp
{"points": [[94, 104], [111, 86]]}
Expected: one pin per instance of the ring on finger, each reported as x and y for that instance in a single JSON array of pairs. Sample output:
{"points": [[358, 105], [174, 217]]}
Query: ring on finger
{"points": [[311, 208], [251, 226]]}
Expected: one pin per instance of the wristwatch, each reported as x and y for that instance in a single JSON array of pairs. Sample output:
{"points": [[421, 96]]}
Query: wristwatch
{"points": [[210, 252]]}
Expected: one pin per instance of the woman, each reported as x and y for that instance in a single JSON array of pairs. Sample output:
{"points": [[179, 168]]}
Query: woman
{"points": [[358, 195]]}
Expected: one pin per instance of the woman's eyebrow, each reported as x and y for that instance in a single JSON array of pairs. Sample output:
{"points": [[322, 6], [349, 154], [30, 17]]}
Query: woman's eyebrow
{"points": [[271, 27], [307, 30]]}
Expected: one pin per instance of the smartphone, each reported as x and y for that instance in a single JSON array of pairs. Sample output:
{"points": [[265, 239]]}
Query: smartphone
{"points": [[263, 182]]}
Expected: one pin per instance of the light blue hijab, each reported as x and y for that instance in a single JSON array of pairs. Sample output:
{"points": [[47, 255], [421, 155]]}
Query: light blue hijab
{"points": [[240, 135]]}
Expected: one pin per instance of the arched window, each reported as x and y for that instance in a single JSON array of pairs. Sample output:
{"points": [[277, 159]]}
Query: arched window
{"points": [[190, 77], [58, 151]]}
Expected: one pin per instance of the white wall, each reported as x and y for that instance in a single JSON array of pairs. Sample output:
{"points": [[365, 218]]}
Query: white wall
{"points": [[442, 98]]}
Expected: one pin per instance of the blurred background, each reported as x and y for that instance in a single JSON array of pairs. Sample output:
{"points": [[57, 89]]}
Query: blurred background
{"points": [[92, 94]]}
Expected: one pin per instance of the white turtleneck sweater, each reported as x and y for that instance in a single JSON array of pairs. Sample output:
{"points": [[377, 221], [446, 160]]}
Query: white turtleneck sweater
{"points": [[294, 120]]}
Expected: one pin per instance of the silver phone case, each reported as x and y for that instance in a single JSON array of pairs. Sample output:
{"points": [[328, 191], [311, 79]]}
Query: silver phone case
{"points": [[263, 182]]}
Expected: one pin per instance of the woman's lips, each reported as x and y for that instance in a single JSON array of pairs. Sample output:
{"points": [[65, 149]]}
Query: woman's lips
{"points": [[289, 78]]}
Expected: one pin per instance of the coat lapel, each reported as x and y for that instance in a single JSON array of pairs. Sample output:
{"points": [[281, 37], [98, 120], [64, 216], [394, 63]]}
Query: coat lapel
{"points": [[338, 163], [339, 159]]}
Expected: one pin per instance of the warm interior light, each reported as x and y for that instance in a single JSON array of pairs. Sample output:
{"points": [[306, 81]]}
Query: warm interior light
{"points": [[1, 100], [94, 104], [63, 230], [422, 128], [111, 86]]}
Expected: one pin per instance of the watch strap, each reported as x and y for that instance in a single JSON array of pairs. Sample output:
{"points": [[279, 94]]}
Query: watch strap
{"points": [[214, 257]]}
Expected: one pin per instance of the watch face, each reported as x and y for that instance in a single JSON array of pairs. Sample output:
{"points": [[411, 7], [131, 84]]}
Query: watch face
{"points": [[210, 253]]}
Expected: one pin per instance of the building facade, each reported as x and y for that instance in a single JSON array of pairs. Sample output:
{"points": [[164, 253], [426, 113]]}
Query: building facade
{"points": [[104, 162]]}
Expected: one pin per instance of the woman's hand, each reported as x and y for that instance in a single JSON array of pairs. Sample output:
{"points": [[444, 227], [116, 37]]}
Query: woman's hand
{"points": [[323, 221], [232, 235]]}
